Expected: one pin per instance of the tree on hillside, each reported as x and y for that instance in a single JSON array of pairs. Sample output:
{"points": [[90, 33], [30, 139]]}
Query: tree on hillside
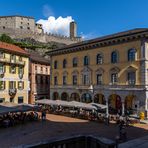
{"points": [[6, 38]]}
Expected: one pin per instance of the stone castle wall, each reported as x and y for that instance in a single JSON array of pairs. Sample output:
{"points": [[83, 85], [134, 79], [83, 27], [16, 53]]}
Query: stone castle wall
{"points": [[43, 37]]}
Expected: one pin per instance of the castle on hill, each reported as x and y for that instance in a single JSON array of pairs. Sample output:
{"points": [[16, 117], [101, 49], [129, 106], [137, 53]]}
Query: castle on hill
{"points": [[21, 27]]}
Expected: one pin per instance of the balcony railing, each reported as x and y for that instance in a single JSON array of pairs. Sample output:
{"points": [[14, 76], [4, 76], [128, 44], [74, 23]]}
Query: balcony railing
{"points": [[105, 87], [16, 62], [12, 91]]}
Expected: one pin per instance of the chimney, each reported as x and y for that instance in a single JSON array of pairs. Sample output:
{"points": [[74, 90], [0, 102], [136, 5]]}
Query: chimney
{"points": [[73, 29]]}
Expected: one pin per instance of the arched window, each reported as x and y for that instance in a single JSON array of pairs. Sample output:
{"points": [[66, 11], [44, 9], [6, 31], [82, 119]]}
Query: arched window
{"points": [[75, 62], [64, 63], [55, 64], [131, 54], [99, 59], [114, 57], [86, 60]]}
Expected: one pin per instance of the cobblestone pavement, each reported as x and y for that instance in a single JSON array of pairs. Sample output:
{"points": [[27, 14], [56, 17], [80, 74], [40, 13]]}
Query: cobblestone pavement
{"points": [[58, 126]]}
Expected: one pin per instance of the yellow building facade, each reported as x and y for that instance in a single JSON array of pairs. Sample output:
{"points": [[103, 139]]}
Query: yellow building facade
{"points": [[14, 74], [111, 70]]}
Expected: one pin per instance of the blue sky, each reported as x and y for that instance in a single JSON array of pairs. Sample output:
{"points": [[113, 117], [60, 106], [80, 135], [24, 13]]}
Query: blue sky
{"points": [[94, 17]]}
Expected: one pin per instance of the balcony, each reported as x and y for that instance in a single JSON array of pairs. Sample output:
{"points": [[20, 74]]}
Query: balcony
{"points": [[12, 91], [8, 61], [102, 87]]}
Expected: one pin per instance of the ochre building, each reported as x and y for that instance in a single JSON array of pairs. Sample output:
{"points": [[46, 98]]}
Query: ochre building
{"points": [[110, 70], [14, 69]]}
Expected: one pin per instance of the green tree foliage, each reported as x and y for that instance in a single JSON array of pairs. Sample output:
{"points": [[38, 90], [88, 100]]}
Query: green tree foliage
{"points": [[6, 38]]}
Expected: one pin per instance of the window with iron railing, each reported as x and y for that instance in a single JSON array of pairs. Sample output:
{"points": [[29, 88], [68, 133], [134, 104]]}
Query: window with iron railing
{"points": [[2, 85]]}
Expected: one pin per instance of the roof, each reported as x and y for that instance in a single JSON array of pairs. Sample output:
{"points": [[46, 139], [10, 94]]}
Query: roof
{"points": [[36, 57], [17, 16], [13, 49], [101, 39]]}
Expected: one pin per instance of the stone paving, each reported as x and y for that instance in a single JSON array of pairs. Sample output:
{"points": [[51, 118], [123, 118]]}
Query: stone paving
{"points": [[59, 126]]}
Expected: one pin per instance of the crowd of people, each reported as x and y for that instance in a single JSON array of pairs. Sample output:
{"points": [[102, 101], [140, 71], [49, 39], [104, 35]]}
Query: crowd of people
{"points": [[11, 119]]}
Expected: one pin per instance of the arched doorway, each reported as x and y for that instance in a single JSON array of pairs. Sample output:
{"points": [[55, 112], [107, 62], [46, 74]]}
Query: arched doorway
{"points": [[99, 98], [86, 98], [75, 97], [55, 96], [129, 104], [64, 96], [115, 104]]}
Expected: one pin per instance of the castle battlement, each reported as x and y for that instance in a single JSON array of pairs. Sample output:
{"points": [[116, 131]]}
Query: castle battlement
{"points": [[25, 27]]}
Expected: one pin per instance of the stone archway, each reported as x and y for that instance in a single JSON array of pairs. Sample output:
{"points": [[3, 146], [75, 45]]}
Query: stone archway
{"points": [[100, 99], [64, 96], [75, 97], [115, 104], [130, 104], [86, 98], [55, 96]]}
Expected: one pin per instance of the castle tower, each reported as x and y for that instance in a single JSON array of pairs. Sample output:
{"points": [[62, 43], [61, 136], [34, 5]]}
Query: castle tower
{"points": [[73, 29]]}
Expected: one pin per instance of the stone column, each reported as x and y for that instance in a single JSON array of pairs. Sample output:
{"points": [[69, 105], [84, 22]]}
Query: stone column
{"points": [[123, 109]]}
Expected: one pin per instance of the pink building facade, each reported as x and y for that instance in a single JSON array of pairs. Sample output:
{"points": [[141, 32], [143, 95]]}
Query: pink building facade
{"points": [[39, 74]]}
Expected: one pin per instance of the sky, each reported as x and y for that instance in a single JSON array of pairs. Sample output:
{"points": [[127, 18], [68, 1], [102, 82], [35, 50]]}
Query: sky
{"points": [[94, 18]]}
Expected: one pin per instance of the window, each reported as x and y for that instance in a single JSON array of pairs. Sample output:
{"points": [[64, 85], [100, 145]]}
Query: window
{"points": [[12, 84], [41, 79], [86, 79], [36, 68], [74, 79], [21, 27], [55, 64], [13, 58], [86, 61], [20, 58], [64, 63], [41, 69], [12, 69], [2, 85], [114, 78], [28, 28], [99, 59], [20, 85], [2, 100], [64, 80], [1, 68], [131, 54], [47, 80], [75, 62], [20, 100], [20, 70], [114, 57], [46, 70], [55, 80], [99, 79], [131, 78], [1, 54]]}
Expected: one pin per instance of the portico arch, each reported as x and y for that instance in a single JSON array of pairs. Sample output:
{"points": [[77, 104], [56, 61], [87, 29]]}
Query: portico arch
{"points": [[55, 96], [75, 97], [115, 104], [86, 98], [99, 98], [64, 96]]}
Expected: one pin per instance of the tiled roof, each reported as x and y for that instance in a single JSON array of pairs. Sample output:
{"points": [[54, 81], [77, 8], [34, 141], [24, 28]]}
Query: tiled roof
{"points": [[34, 56], [103, 38], [13, 49]]}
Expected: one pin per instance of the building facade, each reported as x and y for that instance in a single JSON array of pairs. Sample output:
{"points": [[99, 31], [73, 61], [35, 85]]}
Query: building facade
{"points": [[39, 75], [14, 79], [111, 70]]}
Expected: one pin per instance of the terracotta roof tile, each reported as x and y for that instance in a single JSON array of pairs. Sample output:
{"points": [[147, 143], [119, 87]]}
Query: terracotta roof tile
{"points": [[13, 48]]}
